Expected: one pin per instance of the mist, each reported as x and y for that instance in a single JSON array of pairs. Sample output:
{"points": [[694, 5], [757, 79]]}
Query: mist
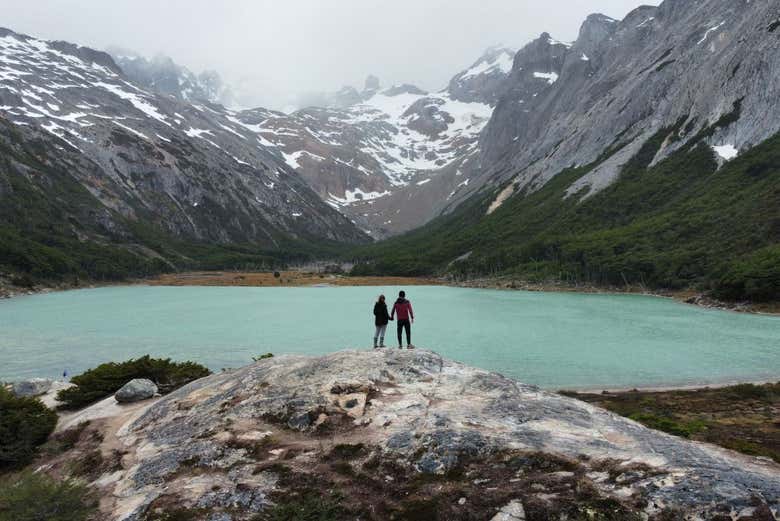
{"points": [[271, 53]]}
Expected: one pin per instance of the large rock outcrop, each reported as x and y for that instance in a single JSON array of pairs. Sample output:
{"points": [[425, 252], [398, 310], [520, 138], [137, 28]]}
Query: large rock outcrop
{"points": [[398, 433]]}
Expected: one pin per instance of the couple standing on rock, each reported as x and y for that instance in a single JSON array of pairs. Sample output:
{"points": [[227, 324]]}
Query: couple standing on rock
{"points": [[403, 308]]}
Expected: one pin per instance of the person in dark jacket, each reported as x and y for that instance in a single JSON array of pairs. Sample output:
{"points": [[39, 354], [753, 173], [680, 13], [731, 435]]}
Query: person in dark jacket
{"points": [[381, 317], [405, 319]]}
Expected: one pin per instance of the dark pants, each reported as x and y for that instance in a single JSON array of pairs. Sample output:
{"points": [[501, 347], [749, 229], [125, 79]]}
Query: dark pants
{"points": [[405, 324]]}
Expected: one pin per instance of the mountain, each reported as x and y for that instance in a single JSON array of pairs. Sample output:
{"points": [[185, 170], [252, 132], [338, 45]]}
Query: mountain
{"points": [[646, 152], [694, 68], [391, 158], [162, 75], [101, 160]]}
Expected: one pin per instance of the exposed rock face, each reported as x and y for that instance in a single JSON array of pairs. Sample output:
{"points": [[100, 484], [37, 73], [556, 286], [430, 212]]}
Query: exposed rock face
{"points": [[238, 441], [136, 390], [31, 387], [701, 70], [485, 81], [705, 71]]}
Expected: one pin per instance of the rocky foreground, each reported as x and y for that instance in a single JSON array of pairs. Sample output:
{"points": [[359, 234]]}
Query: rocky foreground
{"points": [[397, 435]]}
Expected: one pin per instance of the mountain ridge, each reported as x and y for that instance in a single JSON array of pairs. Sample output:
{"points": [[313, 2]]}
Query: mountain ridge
{"points": [[150, 161]]}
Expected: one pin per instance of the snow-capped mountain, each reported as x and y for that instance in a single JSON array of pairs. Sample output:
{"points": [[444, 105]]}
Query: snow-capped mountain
{"points": [[162, 75], [367, 151], [485, 80], [190, 169]]}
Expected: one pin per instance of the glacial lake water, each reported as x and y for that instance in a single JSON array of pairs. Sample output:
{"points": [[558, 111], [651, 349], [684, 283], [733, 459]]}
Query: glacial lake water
{"points": [[555, 340]]}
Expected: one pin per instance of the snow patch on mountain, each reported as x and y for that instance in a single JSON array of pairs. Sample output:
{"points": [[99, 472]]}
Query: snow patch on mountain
{"points": [[501, 62], [726, 152], [551, 77]]}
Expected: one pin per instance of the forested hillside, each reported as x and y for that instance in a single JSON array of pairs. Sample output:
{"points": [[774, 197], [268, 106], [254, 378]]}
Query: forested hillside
{"points": [[681, 223]]}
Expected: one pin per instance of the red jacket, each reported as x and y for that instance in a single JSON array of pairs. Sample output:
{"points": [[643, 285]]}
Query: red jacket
{"points": [[404, 309]]}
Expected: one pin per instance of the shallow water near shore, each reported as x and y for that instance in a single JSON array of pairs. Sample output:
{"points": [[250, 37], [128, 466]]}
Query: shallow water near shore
{"points": [[555, 340]]}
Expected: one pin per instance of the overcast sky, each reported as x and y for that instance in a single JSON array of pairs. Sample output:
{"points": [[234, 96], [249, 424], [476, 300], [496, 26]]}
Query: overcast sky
{"points": [[274, 50]]}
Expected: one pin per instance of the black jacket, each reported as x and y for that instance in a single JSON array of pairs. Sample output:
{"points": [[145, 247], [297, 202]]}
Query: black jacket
{"points": [[381, 314]]}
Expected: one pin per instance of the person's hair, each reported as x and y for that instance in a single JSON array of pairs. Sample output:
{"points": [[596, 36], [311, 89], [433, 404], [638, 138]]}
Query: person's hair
{"points": [[402, 294], [381, 298]]}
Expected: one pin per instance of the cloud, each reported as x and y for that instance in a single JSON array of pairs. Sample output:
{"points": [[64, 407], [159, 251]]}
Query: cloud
{"points": [[273, 51]]}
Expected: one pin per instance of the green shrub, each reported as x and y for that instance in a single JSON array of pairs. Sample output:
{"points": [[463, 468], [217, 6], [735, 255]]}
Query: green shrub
{"points": [[686, 430], [750, 391], [684, 222], [25, 423], [37, 497], [105, 379]]}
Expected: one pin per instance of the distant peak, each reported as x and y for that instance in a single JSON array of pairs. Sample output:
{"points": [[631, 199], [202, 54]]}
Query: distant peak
{"points": [[372, 83], [553, 41], [406, 88]]}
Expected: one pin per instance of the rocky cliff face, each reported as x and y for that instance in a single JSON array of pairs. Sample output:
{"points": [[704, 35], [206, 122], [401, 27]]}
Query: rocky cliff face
{"points": [[190, 169], [397, 434], [682, 71]]}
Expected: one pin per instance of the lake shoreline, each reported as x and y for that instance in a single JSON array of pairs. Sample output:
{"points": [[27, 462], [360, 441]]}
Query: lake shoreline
{"points": [[302, 278], [689, 297], [662, 388]]}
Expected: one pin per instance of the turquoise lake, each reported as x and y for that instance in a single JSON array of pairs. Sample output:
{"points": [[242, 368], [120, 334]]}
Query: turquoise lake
{"points": [[555, 340]]}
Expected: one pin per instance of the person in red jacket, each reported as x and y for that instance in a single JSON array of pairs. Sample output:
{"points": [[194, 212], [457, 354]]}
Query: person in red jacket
{"points": [[405, 319]]}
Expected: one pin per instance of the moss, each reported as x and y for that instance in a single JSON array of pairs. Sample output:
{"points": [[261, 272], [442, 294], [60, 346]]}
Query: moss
{"points": [[176, 514], [419, 510], [309, 505], [262, 357], [347, 451], [343, 468]]}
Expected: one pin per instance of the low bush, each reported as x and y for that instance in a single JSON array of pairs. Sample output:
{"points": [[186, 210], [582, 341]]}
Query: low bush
{"points": [[105, 379], [25, 423], [37, 497], [684, 429]]}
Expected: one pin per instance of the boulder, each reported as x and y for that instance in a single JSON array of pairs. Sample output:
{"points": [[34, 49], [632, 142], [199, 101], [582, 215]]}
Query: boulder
{"points": [[32, 387], [136, 390]]}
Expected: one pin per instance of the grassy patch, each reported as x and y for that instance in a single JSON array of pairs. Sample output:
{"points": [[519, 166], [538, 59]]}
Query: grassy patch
{"points": [[661, 423], [309, 505], [740, 417]]}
